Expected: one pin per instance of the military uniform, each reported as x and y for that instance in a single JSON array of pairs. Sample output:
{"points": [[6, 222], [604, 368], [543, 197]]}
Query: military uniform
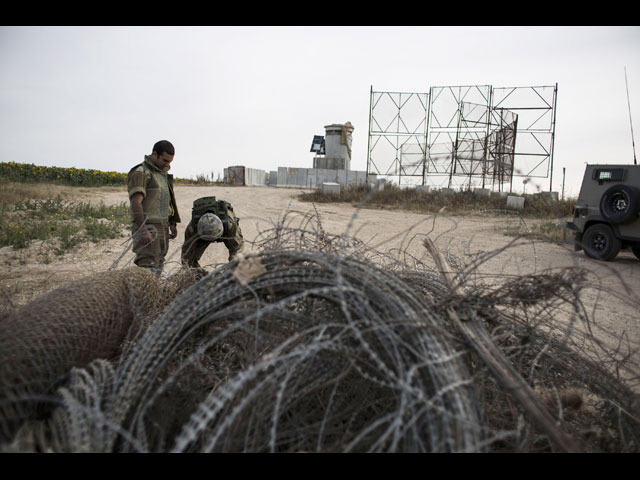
{"points": [[193, 247], [160, 208]]}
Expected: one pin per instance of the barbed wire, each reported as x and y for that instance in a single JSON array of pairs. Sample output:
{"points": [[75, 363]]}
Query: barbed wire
{"points": [[318, 342]]}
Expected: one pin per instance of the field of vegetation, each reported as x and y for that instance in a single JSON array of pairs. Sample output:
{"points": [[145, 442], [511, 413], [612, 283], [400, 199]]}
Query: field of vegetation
{"points": [[21, 172], [35, 207], [59, 224], [31, 209], [78, 177]]}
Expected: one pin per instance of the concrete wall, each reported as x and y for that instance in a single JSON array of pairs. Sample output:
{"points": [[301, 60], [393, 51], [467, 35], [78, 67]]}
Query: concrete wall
{"points": [[254, 176], [295, 177], [291, 176], [330, 163], [315, 177]]}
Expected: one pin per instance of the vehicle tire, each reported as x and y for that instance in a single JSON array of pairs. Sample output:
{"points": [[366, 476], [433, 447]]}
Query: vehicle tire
{"points": [[636, 251], [600, 243], [619, 203]]}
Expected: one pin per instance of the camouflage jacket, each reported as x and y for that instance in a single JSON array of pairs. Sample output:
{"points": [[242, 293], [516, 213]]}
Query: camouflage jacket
{"points": [[159, 203]]}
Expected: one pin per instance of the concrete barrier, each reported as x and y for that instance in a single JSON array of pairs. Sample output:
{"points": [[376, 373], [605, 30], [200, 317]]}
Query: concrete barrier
{"points": [[331, 188], [516, 203], [315, 177], [482, 192], [255, 176], [422, 188]]}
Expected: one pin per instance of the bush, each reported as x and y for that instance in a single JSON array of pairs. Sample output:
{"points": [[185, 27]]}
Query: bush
{"points": [[456, 203], [68, 222]]}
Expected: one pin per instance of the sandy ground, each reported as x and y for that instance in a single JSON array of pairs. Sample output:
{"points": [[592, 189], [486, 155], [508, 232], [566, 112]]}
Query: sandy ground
{"points": [[615, 305]]}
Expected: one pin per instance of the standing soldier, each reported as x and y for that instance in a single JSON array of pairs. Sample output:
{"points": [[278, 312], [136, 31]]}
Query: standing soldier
{"points": [[153, 207], [211, 221]]}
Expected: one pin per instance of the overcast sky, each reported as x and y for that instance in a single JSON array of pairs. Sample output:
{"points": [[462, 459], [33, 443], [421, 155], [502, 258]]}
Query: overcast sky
{"points": [[99, 97]]}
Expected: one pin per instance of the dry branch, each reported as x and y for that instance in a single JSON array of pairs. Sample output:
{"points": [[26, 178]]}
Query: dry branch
{"points": [[482, 344]]}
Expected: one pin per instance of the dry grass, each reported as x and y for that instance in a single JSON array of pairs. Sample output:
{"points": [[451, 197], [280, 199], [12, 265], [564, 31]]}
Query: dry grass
{"points": [[13, 192], [457, 203]]}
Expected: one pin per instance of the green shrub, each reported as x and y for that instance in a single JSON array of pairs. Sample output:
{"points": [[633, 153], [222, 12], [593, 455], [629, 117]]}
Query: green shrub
{"points": [[97, 230], [71, 223]]}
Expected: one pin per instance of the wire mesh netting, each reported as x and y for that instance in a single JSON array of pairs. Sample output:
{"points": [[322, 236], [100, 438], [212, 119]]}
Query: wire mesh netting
{"points": [[314, 343]]}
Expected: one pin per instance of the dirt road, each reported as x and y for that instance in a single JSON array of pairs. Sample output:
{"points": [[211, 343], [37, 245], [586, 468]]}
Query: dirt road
{"points": [[614, 304]]}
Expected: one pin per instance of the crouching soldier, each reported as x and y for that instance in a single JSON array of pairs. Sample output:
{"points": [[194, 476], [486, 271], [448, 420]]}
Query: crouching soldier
{"points": [[211, 221]]}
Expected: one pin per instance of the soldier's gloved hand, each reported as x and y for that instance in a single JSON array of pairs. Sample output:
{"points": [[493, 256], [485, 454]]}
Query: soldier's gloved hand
{"points": [[173, 231]]}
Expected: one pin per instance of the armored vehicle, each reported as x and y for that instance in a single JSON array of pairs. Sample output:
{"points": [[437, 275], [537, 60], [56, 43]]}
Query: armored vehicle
{"points": [[606, 216]]}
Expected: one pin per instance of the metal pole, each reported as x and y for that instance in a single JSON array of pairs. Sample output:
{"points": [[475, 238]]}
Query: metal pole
{"points": [[633, 143], [454, 155], [486, 141], [513, 154], [427, 147], [424, 152], [369, 139], [553, 136], [563, 173], [399, 160]]}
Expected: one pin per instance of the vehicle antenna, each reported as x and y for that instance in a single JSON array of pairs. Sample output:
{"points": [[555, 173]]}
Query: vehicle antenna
{"points": [[629, 104]]}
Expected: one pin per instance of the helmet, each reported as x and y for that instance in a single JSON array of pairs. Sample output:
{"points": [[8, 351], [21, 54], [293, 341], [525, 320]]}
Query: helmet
{"points": [[210, 227]]}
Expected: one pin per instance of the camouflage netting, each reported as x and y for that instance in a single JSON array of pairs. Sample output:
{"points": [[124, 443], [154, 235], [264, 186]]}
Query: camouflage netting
{"points": [[312, 343], [70, 327]]}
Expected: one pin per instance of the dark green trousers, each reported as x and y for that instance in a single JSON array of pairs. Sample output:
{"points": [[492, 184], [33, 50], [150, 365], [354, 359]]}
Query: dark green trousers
{"points": [[193, 247], [152, 256]]}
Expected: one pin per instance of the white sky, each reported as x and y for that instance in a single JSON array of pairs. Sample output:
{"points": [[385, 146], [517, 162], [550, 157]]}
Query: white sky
{"points": [[100, 97]]}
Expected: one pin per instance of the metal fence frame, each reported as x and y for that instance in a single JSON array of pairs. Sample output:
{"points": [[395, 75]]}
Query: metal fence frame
{"points": [[418, 135]]}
